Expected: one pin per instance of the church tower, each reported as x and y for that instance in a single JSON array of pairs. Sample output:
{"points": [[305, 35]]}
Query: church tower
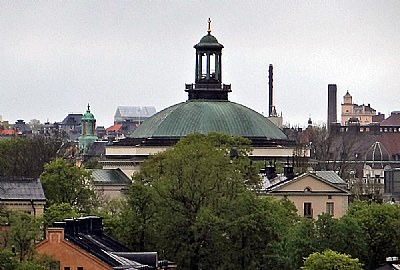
{"points": [[208, 70], [88, 136]]}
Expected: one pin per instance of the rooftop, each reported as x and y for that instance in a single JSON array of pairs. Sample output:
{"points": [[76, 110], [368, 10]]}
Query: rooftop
{"points": [[21, 189]]}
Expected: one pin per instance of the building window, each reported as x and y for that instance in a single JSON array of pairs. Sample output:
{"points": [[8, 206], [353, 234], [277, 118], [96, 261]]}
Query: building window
{"points": [[79, 268], [55, 265], [329, 197], [67, 268], [329, 208], [307, 210]]}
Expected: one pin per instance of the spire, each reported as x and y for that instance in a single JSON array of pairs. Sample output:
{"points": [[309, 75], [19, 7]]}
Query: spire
{"points": [[209, 26], [88, 107]]}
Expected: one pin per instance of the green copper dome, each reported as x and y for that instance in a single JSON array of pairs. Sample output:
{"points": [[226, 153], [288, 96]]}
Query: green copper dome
{"points": [[204, 116], [88, 116]]}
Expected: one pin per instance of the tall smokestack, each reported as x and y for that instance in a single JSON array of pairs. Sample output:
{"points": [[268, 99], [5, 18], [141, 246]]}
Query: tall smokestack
{"points": [[271, 93], [332, 101]]}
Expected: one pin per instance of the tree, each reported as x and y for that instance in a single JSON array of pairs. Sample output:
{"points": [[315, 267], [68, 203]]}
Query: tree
{"points": [[25, 157], [7, 260], [380, 228], [300, 242], [194, 204], [35, 125], [65, 183], [58, 212], [329, 260], [25, 230]]}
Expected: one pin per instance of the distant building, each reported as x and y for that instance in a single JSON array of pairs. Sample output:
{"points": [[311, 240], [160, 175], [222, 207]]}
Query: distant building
{"points": [[207, 110], [115, 132], [88, 136], [80, 244], [392, 185], [130, 117], [71, 126], [22, 194], [352, 112], [110, 183], [313, 194], [100, 132], [51, 129], [22, 128]]}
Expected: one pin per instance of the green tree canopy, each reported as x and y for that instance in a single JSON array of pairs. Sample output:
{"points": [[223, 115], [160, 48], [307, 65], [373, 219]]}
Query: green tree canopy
{"points": [[65, 183], [58, 212], [25, 157], [329, 260], [194, 204], [380, 227]]}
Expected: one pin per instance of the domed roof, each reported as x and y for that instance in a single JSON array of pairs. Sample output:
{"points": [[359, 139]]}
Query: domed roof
{"points": [[88, 116], [205, 116], [376, 154], [208, 41]]}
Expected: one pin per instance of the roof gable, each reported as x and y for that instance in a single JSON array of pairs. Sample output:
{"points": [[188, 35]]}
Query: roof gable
{"points": [[135, 111], [55, 236], [307, 183]]}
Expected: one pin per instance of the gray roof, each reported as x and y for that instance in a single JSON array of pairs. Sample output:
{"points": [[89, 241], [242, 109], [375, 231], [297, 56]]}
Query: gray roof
{"points": [[134, 111], [72, 119], [110, 177], [21, 189], [330, 176]]}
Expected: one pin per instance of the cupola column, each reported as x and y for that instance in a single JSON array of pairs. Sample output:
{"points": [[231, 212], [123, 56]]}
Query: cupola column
{"points": [[208, 74]]}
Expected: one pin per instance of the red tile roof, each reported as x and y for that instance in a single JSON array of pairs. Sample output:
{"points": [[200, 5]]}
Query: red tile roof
{"points": [[7, 132], [115, 128], [392, 120]]}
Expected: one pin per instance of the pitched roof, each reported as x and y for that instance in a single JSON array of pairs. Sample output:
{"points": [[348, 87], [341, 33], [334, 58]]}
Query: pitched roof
{"points": [[21, 189], [72, 119], [110, 177], [87, 234], [392, 120], [134, 111], [330, 176], [97, 149], [8, 132], [116, 127], [277, 186]]}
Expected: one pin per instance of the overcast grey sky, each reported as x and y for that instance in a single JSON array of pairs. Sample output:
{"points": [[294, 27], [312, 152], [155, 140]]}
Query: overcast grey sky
{"points": [[56, 56]]}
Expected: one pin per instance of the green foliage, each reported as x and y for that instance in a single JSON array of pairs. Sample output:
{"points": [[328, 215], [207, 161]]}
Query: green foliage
{"points": [[380, 228], [25, 230], [30, 265], [92, 163], [65, 183], [7, 260], [58, 212], [23, 157], [300, 242], [329, 260], [194, 205]]}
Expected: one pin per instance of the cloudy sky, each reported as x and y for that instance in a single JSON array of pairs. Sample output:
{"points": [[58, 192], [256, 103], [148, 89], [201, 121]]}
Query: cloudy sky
{"points": [[57, 56]]}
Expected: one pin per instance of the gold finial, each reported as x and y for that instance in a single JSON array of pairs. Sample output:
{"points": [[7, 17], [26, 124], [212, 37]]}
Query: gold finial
{"points": [[209, 26]]}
